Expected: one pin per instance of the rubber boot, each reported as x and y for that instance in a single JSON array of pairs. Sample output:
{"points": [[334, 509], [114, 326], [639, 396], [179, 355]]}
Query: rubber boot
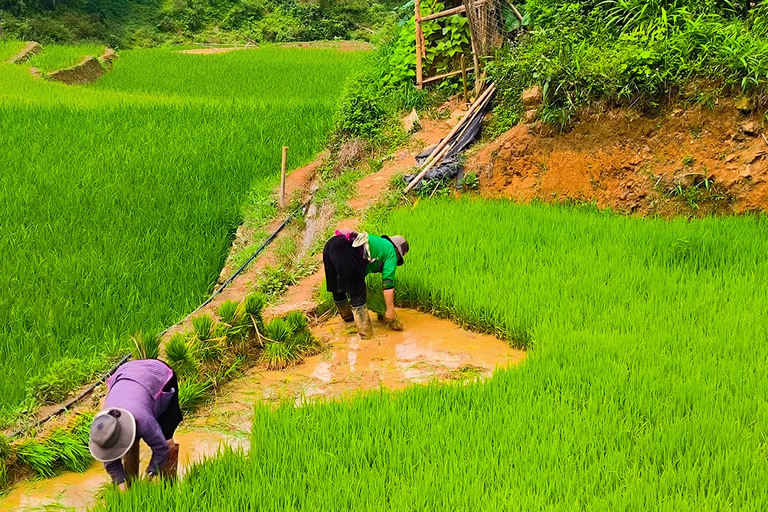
{"points": [[363, 321], [170, 467], [131, 463], [345, 310]]}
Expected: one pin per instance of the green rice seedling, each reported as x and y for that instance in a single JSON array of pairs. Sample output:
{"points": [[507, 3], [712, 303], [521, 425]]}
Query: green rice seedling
{"points": [[146, 345], [375, 294], [71, 452], [228, 311], [278, 330], [38, 456], [180, 355], [253, 305], [203, 326], [279, 355], [306, 343], [192, 393], [5, 448], [297, 320], [3, 475]]}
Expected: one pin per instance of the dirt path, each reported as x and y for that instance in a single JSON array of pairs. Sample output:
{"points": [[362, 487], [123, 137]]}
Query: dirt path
{"points": [[429, 348]]}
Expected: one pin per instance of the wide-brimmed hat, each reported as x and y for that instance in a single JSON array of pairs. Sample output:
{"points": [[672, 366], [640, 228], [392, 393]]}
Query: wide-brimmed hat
{"points": [[401, 246], [113, 432]]}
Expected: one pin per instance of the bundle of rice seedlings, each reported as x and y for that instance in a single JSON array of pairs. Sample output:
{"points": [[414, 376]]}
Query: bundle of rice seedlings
{"points": [[278, 330], [146, 345], [277, 356], [179, 355], [192, 393], [5, 448], [253, 306], [3, 475], [203, 326], [306, 343], [228, 312], [72, 452], [297, 320], [38, 456]]}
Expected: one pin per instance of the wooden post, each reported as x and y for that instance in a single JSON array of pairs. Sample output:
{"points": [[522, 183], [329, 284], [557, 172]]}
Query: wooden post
{"points": [[419, 49], [282, 177], [464, 77]]}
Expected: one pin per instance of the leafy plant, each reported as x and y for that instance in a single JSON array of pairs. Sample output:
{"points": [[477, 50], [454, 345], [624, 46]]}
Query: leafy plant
{"points": [[470, 181], [62, 378]]}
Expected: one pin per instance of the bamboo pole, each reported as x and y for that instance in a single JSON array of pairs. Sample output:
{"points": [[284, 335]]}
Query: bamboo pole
{"points": [[440, 77], [471, 16], [456, 128], [442, 149], [282, 176], [419, 70], [464, 77]]}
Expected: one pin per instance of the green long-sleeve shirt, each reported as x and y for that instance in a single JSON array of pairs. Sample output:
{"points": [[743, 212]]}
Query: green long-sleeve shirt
{"points": [[385, 260]]}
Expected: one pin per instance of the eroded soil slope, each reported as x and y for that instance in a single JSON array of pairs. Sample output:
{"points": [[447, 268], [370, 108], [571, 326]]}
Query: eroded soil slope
{"points": [[693, 160]]}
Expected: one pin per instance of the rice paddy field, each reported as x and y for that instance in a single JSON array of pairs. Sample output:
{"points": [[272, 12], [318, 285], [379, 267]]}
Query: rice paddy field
{"points": [[644, 388], [56, 57], [119, 200]]}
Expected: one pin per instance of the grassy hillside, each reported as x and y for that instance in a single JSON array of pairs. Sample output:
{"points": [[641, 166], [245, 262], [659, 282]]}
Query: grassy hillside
{"points": [[121, 199]]}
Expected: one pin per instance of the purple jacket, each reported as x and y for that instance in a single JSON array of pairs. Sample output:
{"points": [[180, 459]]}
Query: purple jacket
{"points": [[137, 387]]}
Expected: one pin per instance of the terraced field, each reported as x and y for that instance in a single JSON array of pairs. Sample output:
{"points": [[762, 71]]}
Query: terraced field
{"points": [[119, 200]]}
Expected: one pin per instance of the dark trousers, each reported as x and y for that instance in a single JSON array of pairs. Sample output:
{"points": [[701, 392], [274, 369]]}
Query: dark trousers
{"points": [[344, 270]]}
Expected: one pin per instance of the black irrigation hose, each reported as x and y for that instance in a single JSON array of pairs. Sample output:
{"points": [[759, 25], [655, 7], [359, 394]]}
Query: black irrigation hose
{"points": [[125, 358]]}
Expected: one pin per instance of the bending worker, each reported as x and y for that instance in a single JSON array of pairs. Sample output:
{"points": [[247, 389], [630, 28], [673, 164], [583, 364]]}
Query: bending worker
{"points": [[142, 403], [348, 257]]}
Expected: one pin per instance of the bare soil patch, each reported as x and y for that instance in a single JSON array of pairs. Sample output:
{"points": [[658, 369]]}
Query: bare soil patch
{"points": [[624, 160]]}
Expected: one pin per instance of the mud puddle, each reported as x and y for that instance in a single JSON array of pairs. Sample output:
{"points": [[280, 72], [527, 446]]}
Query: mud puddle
{"points": [[429, 348]]}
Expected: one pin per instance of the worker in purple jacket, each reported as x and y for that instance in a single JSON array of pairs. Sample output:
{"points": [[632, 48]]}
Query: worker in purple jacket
{"points": [[142, 403]]}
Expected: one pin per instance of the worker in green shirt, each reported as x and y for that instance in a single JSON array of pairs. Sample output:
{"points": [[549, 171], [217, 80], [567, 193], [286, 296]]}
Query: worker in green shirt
{"points": [[348, 257]]}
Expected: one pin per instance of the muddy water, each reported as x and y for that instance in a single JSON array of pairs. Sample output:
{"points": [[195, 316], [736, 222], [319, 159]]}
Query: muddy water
{"points": [[428, 349]]}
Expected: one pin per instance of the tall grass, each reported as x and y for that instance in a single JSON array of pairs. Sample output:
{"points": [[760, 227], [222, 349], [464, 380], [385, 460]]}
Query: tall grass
{"points": [[119, 201], [645, 388]]}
